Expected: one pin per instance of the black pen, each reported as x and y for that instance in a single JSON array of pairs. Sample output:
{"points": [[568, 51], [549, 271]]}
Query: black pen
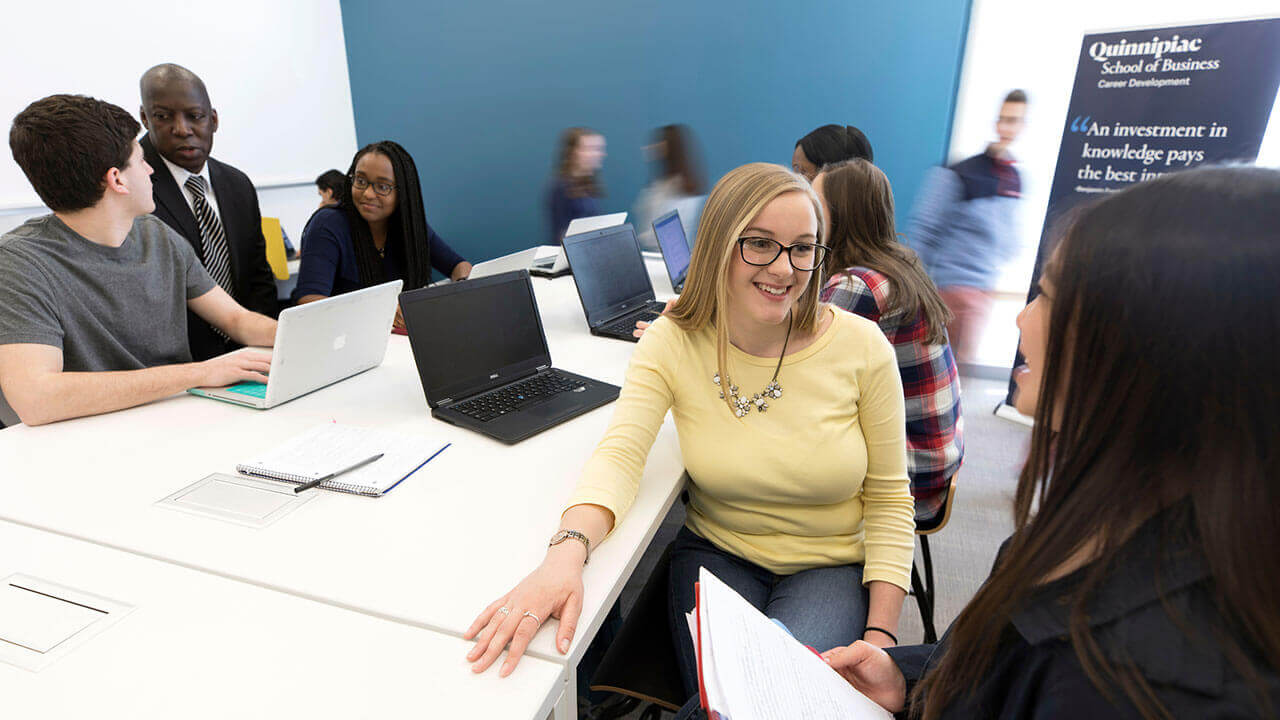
{"points": [[332, 475]]}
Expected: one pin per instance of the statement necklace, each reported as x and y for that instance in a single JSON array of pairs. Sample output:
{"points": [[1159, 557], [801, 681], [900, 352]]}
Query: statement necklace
{"points": [[760, 401]]}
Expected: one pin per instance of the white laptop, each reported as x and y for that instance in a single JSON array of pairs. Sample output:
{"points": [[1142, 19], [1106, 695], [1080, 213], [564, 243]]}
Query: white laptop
{"points": [[507, 263], [552, 263], [318, 344]]}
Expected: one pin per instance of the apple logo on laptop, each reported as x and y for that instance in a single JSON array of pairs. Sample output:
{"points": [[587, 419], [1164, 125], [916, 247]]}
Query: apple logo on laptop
{"points": [[339, 342]]}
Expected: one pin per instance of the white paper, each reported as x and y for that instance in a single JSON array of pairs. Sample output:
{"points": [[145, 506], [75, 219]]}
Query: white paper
{"points": [[761, 672], [38, 621], [332, 447]]}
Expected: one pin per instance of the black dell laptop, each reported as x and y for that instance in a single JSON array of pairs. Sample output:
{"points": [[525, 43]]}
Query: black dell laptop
{"points": [[613, 283], [483, 359]]}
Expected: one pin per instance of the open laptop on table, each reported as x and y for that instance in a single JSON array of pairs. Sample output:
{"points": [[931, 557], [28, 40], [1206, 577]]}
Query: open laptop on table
{"points": [[613, 283], [318, 344], [483, 359], [507, 263], [552, 264], [674, 246]]}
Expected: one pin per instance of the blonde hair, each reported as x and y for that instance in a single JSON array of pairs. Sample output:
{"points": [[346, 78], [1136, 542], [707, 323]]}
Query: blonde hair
{"points": [[734, 202]]}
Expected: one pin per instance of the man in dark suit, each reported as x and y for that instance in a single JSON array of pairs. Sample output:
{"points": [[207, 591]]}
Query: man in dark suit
{"points": [[211, 204]]}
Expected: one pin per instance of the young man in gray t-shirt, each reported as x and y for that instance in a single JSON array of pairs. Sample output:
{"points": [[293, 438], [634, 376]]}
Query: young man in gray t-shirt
{"points": [[93, 297]]}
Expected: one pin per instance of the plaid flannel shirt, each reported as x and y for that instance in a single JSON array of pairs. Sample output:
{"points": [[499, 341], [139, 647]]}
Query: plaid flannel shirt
{"points": [[931, 387]]}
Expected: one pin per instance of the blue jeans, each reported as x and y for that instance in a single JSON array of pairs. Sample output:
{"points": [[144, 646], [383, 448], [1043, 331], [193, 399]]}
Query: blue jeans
{"points": [[823, 607]]}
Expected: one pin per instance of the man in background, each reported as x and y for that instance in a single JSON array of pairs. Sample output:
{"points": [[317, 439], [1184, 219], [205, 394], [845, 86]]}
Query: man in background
{"points": [[964, 230], [211, 204]]}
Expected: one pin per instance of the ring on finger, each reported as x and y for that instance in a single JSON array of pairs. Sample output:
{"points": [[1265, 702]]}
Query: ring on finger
{"points": [[536, 619], [504, 610]]}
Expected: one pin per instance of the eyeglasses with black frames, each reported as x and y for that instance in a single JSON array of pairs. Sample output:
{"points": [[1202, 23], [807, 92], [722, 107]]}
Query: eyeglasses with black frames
{"points": [[360, 182], [762, 251]]}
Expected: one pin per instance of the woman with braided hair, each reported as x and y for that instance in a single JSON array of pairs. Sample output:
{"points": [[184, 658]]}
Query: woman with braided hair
{"points": [[378, 232]]}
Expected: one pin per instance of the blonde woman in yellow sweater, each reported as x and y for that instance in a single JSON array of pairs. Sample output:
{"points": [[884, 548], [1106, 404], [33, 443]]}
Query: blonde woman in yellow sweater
{"points": [[790, 419]]}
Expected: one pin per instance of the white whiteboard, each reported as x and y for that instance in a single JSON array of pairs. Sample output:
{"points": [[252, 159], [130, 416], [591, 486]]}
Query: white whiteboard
{"points": [[276, 72]]}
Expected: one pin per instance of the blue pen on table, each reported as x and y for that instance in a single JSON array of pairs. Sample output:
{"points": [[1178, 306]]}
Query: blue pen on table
{"points": [[332, 475]]}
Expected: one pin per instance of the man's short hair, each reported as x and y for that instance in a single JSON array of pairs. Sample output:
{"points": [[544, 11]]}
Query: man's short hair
{"points": [[65, 144], [1016, 96]]}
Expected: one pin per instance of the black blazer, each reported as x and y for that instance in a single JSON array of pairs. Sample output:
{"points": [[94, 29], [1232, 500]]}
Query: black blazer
{"points": [[253, 282]]}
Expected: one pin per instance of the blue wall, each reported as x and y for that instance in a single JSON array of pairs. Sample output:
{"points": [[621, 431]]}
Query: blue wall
{"points": [[479, 91]]}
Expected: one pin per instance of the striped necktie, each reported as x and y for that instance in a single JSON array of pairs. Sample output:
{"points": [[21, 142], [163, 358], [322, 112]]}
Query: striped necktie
{"points": [[216, 258]]}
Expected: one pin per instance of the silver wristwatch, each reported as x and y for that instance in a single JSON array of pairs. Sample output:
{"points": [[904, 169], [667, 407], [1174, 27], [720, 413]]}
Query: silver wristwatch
{"points": [[563, 535]]}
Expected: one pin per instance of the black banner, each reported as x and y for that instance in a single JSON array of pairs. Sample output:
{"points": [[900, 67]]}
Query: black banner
{"points": [[1150, 102]]}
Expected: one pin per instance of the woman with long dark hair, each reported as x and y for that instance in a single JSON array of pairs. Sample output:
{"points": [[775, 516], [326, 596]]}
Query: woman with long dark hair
{"points": [[378, 232], [879, 278], [827, 145], [1141, 579], [677, 184], [575, 189]]}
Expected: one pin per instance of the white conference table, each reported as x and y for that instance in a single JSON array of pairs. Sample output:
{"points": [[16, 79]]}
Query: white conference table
{"points": [[432, 553], [196, 645]]}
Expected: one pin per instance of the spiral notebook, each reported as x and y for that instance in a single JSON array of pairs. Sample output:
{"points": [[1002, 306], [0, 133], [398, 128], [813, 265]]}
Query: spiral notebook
{"points": [[328, 448]]}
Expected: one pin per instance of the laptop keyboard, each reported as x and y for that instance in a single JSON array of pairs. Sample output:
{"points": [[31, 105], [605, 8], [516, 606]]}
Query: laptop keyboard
{"points": [[252, 389], [540, 388], [627, 324]]}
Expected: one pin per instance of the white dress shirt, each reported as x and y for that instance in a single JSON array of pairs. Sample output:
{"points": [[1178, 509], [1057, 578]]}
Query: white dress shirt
{"points": [[180, 175]]}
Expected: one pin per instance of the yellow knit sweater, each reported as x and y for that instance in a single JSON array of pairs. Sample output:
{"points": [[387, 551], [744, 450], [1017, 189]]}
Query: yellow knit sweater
{"points": [[819, 479]]}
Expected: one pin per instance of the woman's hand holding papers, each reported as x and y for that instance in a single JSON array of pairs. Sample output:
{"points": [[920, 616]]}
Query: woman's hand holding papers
{"points": [[872, 672]]}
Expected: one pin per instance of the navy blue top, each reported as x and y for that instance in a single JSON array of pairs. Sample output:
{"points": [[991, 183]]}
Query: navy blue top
{"points": [[329, 257], [565, 209]]}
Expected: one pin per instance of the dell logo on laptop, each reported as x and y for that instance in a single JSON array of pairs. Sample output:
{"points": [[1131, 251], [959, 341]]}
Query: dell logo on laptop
{"points": [[493, 376]]}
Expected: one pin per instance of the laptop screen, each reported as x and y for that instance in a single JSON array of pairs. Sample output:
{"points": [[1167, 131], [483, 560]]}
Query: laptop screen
{"points": [[674, 246], [609, 271], [472, 335]]}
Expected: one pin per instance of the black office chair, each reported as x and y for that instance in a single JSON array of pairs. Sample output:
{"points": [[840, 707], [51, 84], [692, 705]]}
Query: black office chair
{"points": [[924, 588]]}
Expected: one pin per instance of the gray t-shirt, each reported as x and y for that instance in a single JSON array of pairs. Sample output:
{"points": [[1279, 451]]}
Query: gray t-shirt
{"points": [[106, 308]]}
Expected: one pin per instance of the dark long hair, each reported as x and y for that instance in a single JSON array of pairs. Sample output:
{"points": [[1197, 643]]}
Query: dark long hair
{"points": [[679, 158], [862, 234], [1160, 368], [407, 229], [834, 143], [576, 185]]}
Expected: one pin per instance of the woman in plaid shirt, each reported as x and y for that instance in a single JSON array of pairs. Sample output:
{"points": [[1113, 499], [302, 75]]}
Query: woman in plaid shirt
{"points": [[875, 276]]}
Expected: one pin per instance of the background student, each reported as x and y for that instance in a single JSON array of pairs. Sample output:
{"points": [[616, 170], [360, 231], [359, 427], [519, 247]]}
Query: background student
{"points": [[677, 181], [1139, 580], [329, 187], [378, 232], [798, 500], [94, 296], [575, 189], [964, 228], [829, 144], [875, 276], [213, 205]]}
